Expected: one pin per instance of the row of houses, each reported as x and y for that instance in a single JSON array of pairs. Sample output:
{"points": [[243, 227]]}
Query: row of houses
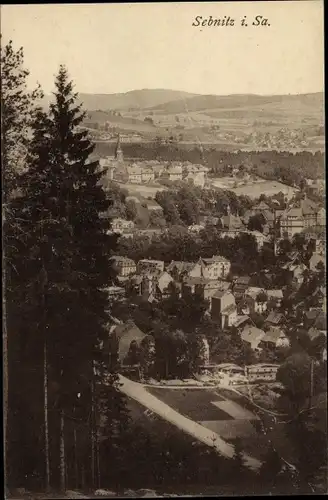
{"points": [[302, 217], [145, 172], [297, 219]]}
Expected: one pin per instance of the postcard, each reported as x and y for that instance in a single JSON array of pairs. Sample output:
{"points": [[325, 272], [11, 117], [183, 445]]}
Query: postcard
{"points": [[164, 249]]}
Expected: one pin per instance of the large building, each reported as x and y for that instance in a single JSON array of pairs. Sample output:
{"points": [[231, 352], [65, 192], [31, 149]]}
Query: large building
{"points": [[112, 164], [295, 220], [140, 174]]}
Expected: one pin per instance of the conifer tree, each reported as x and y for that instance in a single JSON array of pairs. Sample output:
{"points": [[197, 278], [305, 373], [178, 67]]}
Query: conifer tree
{"points": [[18, 106], [65, 244]]}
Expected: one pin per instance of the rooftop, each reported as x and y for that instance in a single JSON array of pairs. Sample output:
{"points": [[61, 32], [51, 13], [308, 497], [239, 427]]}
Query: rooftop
{"points": [[120, 258], [275, 318], [277, 294], [252, 334], [215, 258], [180, 265], [261, 206], [273, 334], [232, 223]]}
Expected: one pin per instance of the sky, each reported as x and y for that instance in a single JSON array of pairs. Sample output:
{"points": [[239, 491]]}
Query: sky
{"points": [[111, 48]]}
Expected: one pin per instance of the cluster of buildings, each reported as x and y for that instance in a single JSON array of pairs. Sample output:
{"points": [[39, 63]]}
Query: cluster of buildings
{"points": [[231, 301], [152, 171], [297, 219]]}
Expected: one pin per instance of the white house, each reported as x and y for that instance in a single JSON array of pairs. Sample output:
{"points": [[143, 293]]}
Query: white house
{"points": [[215, 267]]}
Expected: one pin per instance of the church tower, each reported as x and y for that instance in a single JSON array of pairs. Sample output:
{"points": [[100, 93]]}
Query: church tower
{"points": [[118, 151]]}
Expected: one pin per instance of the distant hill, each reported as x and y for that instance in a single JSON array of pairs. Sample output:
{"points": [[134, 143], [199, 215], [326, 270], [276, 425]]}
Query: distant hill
{"points": [[240, 121], [216, 102], [135, 99], [163, 101]]}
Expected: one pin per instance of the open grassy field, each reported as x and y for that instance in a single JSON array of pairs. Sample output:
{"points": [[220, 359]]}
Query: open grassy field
{"points": [[143, 190], [253, 189]]}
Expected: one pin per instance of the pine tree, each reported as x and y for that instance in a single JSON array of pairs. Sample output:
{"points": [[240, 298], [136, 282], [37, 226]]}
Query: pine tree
{"points": [[66, 239], [17, 111]]}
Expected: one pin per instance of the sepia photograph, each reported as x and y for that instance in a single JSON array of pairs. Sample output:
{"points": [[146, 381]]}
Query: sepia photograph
{"points": [[164, 249]]}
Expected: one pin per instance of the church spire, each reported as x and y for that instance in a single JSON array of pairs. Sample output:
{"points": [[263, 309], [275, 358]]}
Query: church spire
{"points": [[118, 150]]}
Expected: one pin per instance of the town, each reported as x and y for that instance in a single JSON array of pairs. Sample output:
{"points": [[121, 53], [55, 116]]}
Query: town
{"points": [[264, 306]]}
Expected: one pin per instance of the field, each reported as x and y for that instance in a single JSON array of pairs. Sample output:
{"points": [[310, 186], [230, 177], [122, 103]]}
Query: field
{"points": [[218, 413], [143, 190], [253, 189]]}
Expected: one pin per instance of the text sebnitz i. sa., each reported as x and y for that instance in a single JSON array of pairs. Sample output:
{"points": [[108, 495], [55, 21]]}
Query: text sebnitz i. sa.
{"points": [[201, 22]]}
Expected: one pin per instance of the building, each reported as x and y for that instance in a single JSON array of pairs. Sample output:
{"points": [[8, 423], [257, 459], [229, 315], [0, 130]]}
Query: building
{"points": [[321, 218], [154, 285], [123, 266], [318, 242], [215, 267], [232, 224], [109, 165], [173, 173], [115, 292], [121, 337], [139, 174], [294, 220], [290, 222], [295, 271], [120, 226], [265, 372], [195, 228], [196, 179], [181, 270], [148, 266], [275, 338], [261, 209], [255, 301], [208, 220], [195, 175], [148, 233], [223, 308], [118, 150], [240, 285], [204, 288], [274, 298], [316, 260], [309, 212], [260, 238], [313, 333], [252, 336], [275, 319]]}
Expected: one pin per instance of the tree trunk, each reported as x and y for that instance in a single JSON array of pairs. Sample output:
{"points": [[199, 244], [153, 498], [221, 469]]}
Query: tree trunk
{"points": [[5, 383], [311, 382], [98, 461], [76, 466], [83, 476], [62, 453], [93, 440], [46, 423]]}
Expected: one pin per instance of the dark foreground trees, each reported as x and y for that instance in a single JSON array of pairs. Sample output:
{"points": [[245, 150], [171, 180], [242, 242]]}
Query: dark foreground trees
{"points": [[57, 306]]}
